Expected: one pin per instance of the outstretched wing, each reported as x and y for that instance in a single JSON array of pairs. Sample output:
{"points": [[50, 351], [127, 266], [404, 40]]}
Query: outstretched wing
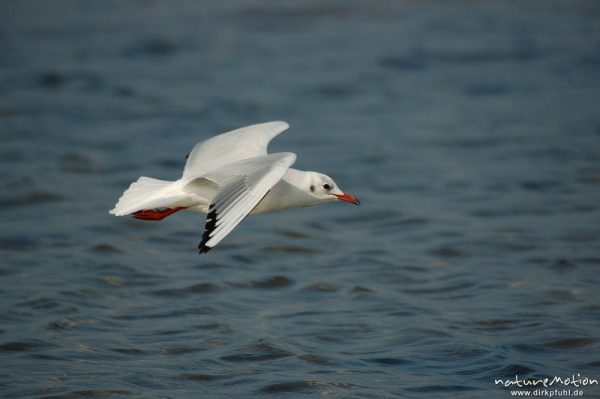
{"points": [[244, 184], [233, 146]]}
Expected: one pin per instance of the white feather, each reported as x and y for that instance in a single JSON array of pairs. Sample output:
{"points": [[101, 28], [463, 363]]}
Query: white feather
{"points": [[243, 185], [230, 147], [196, 188], [147, 193]]}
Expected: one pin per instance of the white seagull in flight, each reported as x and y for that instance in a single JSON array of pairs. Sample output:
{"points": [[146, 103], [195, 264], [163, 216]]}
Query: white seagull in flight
{"points": [[230, 176]]}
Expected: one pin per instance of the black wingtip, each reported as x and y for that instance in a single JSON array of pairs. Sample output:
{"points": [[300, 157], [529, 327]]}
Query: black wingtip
{"points": [[211, 224], [202, 249]]}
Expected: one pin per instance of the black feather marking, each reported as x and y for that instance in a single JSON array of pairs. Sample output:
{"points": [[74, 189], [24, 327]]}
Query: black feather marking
{"points": [[211, 224]]}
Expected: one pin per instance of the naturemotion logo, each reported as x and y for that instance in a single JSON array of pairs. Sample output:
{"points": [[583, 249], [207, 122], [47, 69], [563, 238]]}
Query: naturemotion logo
{"points": [[538, 386], [547, 382]]}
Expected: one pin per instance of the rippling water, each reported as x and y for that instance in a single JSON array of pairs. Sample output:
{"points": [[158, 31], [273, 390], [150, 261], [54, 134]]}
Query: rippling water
{"points": [[470, 132]]}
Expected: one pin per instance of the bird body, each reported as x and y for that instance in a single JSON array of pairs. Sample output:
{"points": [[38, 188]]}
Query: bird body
{"points": [[228, 177]]}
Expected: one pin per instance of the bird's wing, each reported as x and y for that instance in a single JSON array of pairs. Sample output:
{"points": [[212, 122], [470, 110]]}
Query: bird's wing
{"points": [[233, 146], [242, 185]]}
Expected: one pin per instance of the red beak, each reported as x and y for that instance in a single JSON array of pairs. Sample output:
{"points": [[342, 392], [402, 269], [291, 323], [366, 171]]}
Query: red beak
{"points": [[351, 199]]}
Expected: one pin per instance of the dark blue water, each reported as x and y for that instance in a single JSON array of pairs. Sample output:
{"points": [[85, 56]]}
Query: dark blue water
{"points": [[469, 130]]}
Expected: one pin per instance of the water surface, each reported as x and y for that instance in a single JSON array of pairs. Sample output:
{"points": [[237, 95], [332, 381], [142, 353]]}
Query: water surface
{"points": [[470, 132]]}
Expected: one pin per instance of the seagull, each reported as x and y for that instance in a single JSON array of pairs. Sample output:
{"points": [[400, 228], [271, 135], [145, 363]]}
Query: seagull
{"points": [[228, 177]]}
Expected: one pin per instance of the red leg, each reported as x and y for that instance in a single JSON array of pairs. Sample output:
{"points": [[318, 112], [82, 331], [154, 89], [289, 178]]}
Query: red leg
{"points": [[155, 214]]}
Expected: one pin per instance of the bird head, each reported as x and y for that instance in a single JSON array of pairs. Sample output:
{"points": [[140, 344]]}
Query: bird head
{"points": [[324, 188]]}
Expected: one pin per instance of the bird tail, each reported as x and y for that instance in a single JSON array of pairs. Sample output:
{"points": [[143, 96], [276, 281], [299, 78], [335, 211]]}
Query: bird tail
{"points": [[147, 193]]}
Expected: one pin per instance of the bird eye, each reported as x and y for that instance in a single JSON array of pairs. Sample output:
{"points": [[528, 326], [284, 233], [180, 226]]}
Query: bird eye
{"points": [[326, 186]]}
